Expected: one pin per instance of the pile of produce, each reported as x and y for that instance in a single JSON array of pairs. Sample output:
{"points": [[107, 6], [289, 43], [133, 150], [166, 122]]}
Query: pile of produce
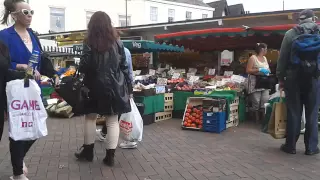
{"points": [[149, 80], [184, 86], [193, 117], [60, 109], [174, 81]]}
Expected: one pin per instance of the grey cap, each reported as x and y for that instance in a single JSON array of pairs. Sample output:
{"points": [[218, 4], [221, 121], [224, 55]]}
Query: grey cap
{"points": [[307, 13]]}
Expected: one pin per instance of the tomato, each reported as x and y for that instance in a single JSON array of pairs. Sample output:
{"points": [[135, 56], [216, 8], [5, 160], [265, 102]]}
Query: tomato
{"points": [[189, 125], [188, 110], [194, 125], [200, 126], [187, 114], [185, 123], [194, 110], [186, 118], [201, 117], [190, 106], [200, 122], [189, 121], [197, 121]]}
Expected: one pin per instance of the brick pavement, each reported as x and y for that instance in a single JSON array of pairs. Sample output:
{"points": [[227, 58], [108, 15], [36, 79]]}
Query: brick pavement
{"points": [[166, 153]]}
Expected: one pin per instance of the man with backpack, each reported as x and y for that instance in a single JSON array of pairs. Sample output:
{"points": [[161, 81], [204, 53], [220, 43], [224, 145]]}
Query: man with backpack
{"points": [[298, 73]]}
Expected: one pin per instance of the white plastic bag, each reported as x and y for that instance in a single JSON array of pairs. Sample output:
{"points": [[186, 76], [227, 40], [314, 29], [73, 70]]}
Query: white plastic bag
{"points": [[131, 124], [27, 115]]}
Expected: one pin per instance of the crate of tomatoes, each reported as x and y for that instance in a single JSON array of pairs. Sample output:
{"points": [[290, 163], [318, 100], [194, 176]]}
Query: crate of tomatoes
{"points": [[193, 118]]}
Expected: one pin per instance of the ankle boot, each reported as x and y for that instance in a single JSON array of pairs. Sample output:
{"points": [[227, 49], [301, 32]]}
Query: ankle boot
{"points": [[86, 153], [109, 159]]}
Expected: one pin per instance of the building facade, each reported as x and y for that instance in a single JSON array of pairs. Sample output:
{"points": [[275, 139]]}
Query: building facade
{"points": [[70, 15]]}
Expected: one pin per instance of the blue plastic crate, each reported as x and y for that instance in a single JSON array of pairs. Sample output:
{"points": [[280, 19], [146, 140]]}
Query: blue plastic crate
{"points": [[214, 121]]}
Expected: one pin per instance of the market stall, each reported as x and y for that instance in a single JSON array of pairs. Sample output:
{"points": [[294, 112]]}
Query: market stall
{"points": [[219, 87]]}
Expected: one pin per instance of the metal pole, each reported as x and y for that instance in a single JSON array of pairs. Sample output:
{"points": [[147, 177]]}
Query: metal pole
{"points": [[126, 13]]}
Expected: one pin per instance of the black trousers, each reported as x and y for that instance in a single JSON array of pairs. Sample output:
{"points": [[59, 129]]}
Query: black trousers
{"points": [[302, 91], [18, 150]]}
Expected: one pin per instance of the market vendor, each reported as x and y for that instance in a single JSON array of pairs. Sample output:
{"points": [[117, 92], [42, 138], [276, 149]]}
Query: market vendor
{"points": [[257, 66]]}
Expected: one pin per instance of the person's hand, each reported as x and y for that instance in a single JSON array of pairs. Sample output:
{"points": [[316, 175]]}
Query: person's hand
{"points": [[22, 66], [37, 75], [264, 71]]}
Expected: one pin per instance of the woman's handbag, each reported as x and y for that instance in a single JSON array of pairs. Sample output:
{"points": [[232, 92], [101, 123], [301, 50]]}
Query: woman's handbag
{"points": [[265, 82], [72, 90]]}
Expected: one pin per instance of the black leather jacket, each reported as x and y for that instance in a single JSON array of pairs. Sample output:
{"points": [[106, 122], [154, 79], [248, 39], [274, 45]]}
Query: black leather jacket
{"points": [[6, 75], [106, 75]]}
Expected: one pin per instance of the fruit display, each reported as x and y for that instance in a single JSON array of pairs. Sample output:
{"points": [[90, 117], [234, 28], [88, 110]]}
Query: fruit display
{"points": [[193, 117], [174, 81], [149, 80], [184, 86]]}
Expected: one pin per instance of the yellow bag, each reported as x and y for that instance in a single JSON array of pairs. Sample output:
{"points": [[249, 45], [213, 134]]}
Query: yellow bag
{"points": [[278, 120]]}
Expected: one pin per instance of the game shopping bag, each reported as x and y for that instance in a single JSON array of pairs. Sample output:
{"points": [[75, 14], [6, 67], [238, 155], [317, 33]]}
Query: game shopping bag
{"points": [[27, 115], [131, 124], [278, 120]]}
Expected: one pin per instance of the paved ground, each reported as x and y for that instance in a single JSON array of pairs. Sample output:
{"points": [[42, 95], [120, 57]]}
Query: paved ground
{"points": [[167, 153]]}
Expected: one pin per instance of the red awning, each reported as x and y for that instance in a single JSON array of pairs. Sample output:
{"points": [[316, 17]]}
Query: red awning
{"points": [[227, 38]]}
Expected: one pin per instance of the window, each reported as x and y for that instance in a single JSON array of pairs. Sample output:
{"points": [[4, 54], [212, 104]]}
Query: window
{"points": [[122, 21], [88, 16], [171, 15], [153, 14], [204, 16], [57, 19], [188, 15]]}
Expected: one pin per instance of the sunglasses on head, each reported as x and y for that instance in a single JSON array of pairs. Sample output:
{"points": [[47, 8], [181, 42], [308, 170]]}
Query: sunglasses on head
{"points": [[26, 12]]}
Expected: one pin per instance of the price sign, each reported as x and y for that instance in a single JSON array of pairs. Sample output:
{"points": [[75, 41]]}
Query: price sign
{"points": [[190, 74], [152, 72], [228, 73], [176, 76], [194, 78], [212, 72], [162, 81]]}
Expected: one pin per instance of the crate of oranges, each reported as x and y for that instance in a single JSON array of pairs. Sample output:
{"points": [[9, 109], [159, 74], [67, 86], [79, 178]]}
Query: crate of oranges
{"points": [[193, 118]]}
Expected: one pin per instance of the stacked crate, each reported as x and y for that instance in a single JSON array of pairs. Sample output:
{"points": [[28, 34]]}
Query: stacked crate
{"points": [[168, 108], [234, 114], [214, 115]]}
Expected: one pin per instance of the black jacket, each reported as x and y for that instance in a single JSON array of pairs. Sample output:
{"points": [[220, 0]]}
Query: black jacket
{"points": [[106, 75], [5, 75]]}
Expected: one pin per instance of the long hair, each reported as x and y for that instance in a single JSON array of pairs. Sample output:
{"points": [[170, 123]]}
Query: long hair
{"points": [[101, 35], [9, 7]]}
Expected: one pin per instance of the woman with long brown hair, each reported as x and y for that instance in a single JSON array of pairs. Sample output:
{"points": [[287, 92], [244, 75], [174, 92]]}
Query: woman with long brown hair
{"points": [[106, 75]]}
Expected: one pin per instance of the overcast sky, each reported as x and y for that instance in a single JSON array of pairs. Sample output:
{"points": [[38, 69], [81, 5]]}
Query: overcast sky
{"points": [[273, 5]]}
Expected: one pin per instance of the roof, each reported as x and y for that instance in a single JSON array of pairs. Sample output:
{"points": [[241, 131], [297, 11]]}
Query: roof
{"points": [[192, 2], [182, 23], [227, 38], [236, 10], [219, 6]]}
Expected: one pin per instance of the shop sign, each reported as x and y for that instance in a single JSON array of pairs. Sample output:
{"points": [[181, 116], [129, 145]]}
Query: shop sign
{"points": [[226, 58], [136, 45], [78, 48]]}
